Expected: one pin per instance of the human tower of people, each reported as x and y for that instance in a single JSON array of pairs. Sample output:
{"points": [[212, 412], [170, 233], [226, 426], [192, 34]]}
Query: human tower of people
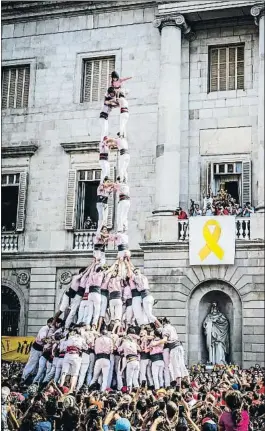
{"points": [[107, 333]]}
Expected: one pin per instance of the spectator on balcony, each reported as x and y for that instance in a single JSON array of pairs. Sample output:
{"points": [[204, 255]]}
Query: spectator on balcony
{"points": [[196, 211], [182, 215], [208, 199], [88, 223], [209, 210], [247, 210], [222, 211]]}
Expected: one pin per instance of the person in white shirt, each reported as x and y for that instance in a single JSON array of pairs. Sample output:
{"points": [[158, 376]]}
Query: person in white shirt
{"points": [[37, 349], [123, 205]]}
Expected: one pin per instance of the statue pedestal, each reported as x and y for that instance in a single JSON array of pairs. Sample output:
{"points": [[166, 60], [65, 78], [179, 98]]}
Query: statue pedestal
{"points": [[257, 226]]}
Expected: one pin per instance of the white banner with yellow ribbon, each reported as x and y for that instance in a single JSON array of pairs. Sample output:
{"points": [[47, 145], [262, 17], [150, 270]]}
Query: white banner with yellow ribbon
{"points": [[212, 240]]}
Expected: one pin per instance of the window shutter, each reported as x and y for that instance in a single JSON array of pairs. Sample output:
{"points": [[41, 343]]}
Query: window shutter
{"points": [[111, 201], [240, 67], [15, 86], [96, 79], [70, 200], [246, 182], [222, 69], [209, 178], [21, 207]]}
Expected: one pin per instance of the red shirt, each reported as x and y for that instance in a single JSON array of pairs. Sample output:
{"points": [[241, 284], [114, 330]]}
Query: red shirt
{"points": [[182, 215]]}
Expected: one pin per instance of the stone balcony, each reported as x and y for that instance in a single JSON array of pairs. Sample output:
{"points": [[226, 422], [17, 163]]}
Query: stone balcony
{"points": [[9, 242]]}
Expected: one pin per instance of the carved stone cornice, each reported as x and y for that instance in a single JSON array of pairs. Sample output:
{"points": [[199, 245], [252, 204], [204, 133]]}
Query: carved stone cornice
{"points": [[17, 150], [257, 12], [174, 20], [80, 147]]}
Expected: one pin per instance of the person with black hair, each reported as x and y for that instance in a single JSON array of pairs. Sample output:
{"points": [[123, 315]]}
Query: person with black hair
{"points": [[130, 349], [110, 101], [235, 419], [116, 82], [103, 191], [89, 309], [103, 349], [156, 348]]}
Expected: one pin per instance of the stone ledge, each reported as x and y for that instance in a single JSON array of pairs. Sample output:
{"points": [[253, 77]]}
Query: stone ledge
{"points": [[196, 6], [25, 149], [80, 147]]}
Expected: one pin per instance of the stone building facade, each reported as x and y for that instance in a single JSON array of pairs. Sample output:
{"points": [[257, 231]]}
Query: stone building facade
{"points": [[196, 106]]}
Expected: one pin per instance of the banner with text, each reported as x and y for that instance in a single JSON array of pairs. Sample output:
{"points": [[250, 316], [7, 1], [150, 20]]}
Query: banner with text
{"points": [[212, 240], [16, 348]]}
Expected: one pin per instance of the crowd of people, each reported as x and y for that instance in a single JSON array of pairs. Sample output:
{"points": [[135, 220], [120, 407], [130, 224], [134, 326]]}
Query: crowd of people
{"points": [[219, 398], [219, 205]]}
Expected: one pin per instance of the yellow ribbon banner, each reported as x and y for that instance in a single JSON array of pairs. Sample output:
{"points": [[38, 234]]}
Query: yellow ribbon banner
{"points": [[211, 239], [16, 348]]}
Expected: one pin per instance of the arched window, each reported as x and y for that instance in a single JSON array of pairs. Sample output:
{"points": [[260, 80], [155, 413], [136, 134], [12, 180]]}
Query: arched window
{"points": [[10, 312]]}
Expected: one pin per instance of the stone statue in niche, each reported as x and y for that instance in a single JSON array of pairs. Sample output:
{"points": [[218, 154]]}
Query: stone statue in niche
{"points": [[216, 329]]}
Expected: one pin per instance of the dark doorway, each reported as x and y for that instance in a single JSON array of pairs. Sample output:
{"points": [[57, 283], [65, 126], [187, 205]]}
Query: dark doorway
{"points": [[9, 207], [10, 312], [232, 188]]}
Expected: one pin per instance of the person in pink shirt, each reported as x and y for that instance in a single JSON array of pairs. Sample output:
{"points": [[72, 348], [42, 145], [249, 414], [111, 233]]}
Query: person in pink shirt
{"points": [[91, 310], [138, 311], [130, 350], [127, 299], [148, 299], [121, 144], [145, 359], [103, 350], [156, 348], [115, 299], [104, 159], [123, 205], [116, 82], [235, 419], [100, 242]]}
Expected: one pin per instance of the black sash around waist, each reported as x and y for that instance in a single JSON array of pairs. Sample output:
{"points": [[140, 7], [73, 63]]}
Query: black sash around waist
{"points": [[81, 291], [123, 247], [104, 292], [124, 198], [135, 293], [115, 295], [144, 293], [99, 247], [61, 355], [71, 293], [102, 199], [131, 358], [145, 355], [37, 346], [156, 357], [124, 151], [47, 354], [94, 289], [128, 302], [103, 156], [172, 345], [102, 356], [104, 115], [88, 351]]}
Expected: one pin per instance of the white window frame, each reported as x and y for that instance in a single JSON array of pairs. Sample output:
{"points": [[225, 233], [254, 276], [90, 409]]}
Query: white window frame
{"points": [[117, 53], [31, 62]]}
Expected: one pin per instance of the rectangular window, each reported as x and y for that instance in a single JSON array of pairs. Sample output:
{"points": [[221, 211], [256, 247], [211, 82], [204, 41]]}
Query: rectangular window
{"points": [[86, 214], [226, 68], [96, 78], [10, 195], [15, 86]]}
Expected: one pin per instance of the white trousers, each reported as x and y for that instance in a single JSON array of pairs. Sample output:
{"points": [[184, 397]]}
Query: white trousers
{"points": [[122, 215], [58, 370], [115, 307], [177, 363], [102, 215], [64, 303], [124, 117], [124, 161], [71, 364], [92, 359], [111, 370], [73, 310], [103, 306], [105, 169], [119, 369], [148, 303], [167, 376], [92, 308], [100, 256], [143, 369], [83, 370], [102, 365], [51, 373], [129, 315], [104, 125], [158, 374], [132, 374], [41, 370], [83, 311], [32, 363], [138, 311]]}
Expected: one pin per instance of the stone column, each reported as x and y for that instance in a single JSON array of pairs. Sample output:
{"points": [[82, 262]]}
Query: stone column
{"points": [[158, 227], [257, 220]]}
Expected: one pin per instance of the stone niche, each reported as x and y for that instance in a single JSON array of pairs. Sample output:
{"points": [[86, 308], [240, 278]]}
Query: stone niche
{"points": [[229, 304]]}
